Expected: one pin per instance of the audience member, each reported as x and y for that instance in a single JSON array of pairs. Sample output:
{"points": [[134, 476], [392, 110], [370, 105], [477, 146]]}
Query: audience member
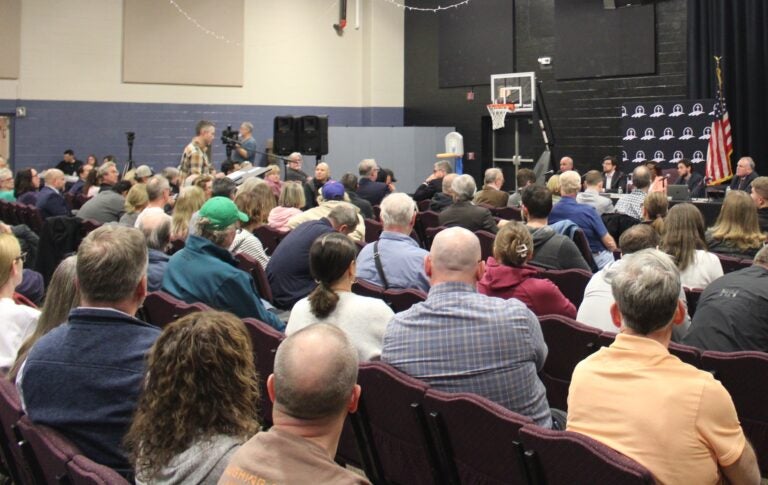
{"points": [[142, 174], [294, 172], [199, 400], [288, 268], [19, 321], [614, 179], [349, 181], [107, 176], [441, 200], [585, 217], [313, 388], [658, 180], [550, 249], [256, 204], [194, 160], [507, 275], [732, 313], [395, 260], [135, 202], [108, 205], [643, 392], [553, 185], [491, 193], [598, 297], [7, 185], [745, 174], [463, 212], [655, 207], [27, 186], [525, 178], [69, 164], [272, 178], [693, 180], [363, 319], [312, 188], [205, 182], [736, 231], [368, 188], [760, 197], [50, 202], [83, 378], [566, 165], [91, 160], [205, 271], [288, 205], [434, 183], [459, 340], [171, 174], [61, 296], [82, 178], [189, 202], [684, 241], [158, 194], [632, 204], [386, 176], [593, 185], [155, 224], [92, 184], [331, 196]]}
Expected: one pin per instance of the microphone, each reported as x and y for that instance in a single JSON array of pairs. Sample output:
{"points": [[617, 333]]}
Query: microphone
{"points": [[549, 172]]}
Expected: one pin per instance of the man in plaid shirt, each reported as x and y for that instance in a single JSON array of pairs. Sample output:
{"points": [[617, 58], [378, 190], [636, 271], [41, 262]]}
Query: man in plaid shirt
{"points": [[194, 160], [459, 340]]}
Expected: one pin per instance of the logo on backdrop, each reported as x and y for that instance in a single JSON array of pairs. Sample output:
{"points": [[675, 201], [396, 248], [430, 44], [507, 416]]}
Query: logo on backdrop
{"points": [[698, 110], [624, 156], [677, 110], [649, 134], [698, 157], [624, 112], [669, 134], [714, 107], [639, 112], [658, 111], [658, 157], [677, 156], [706, 134], [631, 134], [687, 133], [639, 157]]}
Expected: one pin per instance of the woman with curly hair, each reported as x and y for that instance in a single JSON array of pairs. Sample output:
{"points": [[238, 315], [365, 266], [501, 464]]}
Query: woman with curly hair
{"points": [[199, 402], [736, 231], [507, 276]]}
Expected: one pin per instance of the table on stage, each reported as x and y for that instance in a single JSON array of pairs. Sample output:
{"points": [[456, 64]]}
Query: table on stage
{"points": [[709, 208]]}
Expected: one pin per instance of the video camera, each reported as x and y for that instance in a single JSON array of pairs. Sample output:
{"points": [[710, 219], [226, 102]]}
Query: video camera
{"points": [[229, 138]]}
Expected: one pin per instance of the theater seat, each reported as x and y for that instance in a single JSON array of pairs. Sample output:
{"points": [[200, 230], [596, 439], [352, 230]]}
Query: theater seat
{"points": [[265, 341], [403, 299], [160, 308], [83, 471]]}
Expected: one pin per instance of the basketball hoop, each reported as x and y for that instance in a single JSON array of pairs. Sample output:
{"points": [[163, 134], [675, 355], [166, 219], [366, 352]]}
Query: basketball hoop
{"points": [[499, 112]]}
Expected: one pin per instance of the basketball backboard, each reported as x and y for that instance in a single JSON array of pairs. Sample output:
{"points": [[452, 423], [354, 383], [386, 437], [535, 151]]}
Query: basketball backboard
{"points": [[517, 87]]}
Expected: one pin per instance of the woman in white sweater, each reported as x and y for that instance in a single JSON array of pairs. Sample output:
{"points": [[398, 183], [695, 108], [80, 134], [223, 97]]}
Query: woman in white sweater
{"points": [[332, 264], [684, 240]]}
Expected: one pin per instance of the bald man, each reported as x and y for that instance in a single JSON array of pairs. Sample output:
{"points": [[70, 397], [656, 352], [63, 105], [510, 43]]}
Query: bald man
{"points": [[461, 341], [50, 202], [566, 164], [313, 387]]}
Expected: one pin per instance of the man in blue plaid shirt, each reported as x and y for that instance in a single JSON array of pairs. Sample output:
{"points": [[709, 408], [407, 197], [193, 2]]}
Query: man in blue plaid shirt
{"points": [[458, 340]]}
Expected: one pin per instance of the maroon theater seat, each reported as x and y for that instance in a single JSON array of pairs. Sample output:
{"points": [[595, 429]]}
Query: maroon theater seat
{"points": [[365, 288], [572, 282], [269, 237], [160, 308], [402, 299], [83, 471], [253, 267], [52, 451], [265, 341], [12, 446], [373, 230], [486, 243]]}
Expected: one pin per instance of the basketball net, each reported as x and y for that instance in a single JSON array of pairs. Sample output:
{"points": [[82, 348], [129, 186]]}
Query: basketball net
{"points": [[498, 113]]}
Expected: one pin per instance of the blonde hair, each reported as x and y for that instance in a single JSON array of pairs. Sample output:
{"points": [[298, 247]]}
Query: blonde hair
{"points": [[513, 245], [737, 222], [136, 199], [292, 195], [256, 204], [9, 252], [553, 184], [273, 169], [190, 201]]}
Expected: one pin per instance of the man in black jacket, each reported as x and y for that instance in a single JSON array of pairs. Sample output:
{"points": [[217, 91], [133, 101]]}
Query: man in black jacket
{"points": [[687, 176], [613, 178], [349, 181], [434, 183], [463, 212]]}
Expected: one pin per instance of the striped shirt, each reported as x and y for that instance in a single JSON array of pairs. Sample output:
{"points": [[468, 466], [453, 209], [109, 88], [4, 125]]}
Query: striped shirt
{"points": [[458, 340], [247, 243]]}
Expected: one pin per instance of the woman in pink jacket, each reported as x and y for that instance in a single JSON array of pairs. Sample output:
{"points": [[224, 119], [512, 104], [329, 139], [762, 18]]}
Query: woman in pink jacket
{"points": [[507, 276], [288, 205]]}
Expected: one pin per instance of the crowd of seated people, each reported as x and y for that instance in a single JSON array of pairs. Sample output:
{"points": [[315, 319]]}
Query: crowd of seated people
{"points": [[179, 405]]}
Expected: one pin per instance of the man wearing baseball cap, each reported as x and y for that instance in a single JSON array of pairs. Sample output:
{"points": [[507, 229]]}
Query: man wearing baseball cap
{"points": [[205, 271], [332, 195]]}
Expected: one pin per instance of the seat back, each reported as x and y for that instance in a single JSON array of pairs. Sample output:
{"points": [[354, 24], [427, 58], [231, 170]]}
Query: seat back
{"points": [[84, 471], [269, 237], [616, 223], [32, 218], [508, 213], [429, 235], [253, 267], [572, 282], [423, 205], [365, 288], [160, 308], [265, 341], [580, 239], [373, 230], [89, 225], [466, 428], [52, 451], [486, 243], [11, 445], [569, 343], [391, 406], [729, 263], [563, 457], [402, 299], [686, 353], [176, 246], [692, 297], [429, 219], [743, 375]]}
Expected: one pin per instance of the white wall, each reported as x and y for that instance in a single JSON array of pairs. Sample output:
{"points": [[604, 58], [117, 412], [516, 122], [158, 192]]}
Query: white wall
{"points": [[71, 50]]}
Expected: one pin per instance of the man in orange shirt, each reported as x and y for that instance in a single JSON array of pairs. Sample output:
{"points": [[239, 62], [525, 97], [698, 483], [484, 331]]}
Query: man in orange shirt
{"points": [[637, 398]]}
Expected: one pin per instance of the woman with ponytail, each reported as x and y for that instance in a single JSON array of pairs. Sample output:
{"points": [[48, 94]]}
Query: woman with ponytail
{"points": [[332, 265], [655, 208]]}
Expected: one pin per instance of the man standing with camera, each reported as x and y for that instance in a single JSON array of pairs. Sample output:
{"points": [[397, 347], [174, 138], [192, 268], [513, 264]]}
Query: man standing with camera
{"points": [[245, 149], [194, 160]]}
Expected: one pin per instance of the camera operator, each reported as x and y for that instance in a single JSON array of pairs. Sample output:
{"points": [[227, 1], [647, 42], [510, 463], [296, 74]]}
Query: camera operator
{"points": [[245, 149]]}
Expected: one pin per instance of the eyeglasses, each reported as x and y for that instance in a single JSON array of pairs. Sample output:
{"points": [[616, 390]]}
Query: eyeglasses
{"points": [[22, 257]]}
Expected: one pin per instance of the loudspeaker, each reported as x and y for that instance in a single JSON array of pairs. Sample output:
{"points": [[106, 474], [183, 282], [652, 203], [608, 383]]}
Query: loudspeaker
{"points": [[285, 135], [612, 4], [313, 135]]}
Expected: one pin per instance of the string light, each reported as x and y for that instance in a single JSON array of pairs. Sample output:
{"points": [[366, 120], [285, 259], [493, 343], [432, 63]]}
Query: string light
{"points": [[423, 9], [201, 27]]}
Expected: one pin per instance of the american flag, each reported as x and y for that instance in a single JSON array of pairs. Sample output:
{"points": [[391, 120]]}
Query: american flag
{"points": [[720, 142]]}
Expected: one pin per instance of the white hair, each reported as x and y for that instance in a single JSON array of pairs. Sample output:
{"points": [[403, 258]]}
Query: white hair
{"points": [[397, 210], [463, 187]]}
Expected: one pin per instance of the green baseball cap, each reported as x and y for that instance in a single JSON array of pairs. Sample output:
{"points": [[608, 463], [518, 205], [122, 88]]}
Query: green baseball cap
{"points": [[222, 212]]}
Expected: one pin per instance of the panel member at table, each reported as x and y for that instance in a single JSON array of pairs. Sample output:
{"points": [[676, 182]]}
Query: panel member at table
{"points": [[745, 174], [686, 176], [613, 178]]}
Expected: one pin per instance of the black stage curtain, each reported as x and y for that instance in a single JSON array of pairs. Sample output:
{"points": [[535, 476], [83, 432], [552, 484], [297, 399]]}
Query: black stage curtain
{"points": [[735, 30]]}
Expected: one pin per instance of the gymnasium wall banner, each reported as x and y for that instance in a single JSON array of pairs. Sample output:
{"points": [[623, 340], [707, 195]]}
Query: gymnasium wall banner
{"points": [[666, 132]]}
